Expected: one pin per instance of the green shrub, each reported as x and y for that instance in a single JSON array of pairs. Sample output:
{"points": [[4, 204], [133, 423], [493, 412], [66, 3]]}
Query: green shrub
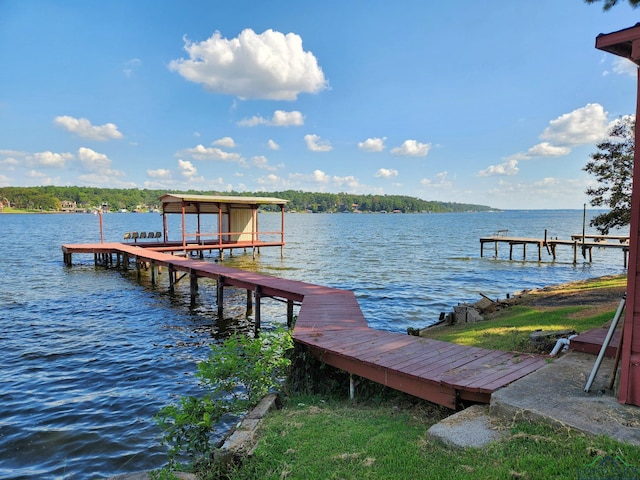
{"points": [[234, 377]]}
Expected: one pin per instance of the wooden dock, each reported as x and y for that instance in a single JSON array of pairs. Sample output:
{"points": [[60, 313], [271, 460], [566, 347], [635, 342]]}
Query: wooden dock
{"points": [[331, 324], [579, 243]]}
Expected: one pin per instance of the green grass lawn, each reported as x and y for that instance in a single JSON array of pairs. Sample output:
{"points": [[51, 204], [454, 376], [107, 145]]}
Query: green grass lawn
{"points": [[510, 329], [312, 438]]}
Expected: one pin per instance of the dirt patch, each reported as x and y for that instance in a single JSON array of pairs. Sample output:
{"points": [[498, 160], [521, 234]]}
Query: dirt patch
{"points": [[598, 299]]}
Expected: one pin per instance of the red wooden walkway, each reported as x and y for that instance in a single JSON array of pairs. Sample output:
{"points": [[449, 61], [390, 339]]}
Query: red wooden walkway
{"points": [[332, 325]]}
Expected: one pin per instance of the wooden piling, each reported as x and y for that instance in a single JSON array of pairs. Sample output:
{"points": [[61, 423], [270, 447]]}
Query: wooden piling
{"points": [[249, 302], [193, 285], [257, 319], [220, 297], [289, 313]]}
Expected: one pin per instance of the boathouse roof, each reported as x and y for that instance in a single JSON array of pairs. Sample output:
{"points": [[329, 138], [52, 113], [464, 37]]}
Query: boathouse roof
{"points": [[172, 202]]}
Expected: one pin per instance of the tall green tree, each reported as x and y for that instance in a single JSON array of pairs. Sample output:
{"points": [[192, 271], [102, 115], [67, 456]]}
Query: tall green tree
{"points": [[612, 165], [610, 3]]}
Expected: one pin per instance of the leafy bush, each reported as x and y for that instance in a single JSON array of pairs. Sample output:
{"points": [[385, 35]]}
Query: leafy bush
{"points": [[235, 376]]}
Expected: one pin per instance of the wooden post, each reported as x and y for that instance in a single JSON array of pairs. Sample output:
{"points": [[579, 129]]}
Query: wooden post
{"points": [[575, 252], [510, 251], [282, 231], [524, 252], [172, 278], [138, 267], [194, 285], [289, 313], [249, 302], [258, 295], [220, 297], [496, 249], [153, 272]]}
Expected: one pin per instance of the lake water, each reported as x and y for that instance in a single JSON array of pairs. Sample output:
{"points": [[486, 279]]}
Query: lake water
{"points": [[90, 355]]}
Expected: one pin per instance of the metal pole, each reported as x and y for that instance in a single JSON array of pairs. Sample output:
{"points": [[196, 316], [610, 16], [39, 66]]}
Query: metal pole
{"points": [[584, 221], [605, 344]]}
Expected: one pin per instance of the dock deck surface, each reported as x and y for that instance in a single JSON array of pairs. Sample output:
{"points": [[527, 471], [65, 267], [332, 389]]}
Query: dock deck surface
{"points": [[331, 324]]}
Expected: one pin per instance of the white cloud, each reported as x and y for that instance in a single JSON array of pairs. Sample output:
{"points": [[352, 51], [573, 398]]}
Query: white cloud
{"points": [[412, 148], [586, 125], [83, 128], [98, 164], [12, 153], [287, 119], [545, 149], [273, 145], [623, 66], [260, 161], [439, 181], [280, 118], [272, 181], [161, 173], [374, 144], [386, 173], [49, 159], [187, 169], [253, 121], [226, 142], [269, 65], [509, 167], [315, 144], [200, 152]]}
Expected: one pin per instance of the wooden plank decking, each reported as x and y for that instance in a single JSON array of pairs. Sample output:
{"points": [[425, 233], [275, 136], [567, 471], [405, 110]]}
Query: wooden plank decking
{"points": [[592, 341], [332, 325]]}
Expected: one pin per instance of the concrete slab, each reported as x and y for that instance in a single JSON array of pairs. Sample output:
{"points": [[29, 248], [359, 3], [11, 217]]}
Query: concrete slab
{"points": [[469, 428], [555, 394]]}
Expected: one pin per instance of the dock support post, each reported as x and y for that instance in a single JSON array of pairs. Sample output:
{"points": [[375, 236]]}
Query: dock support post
{"points": [[289, 313], [154, 272], [249, 302], [138, 268], [510, 251], [524, 252], [172, 277], [352, 387], [258, 295], [220, 297], [194, 285], [496, 248], [575, 253]]}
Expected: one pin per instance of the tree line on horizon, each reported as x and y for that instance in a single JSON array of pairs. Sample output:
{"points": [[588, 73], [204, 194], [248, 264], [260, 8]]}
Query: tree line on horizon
{"points": [[50, 198]]}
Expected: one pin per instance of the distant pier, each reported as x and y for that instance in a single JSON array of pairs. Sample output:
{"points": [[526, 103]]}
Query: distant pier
{"points": [[578, 242]]}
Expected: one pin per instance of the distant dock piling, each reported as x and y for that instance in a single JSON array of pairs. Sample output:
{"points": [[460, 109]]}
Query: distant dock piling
{"points": [[578, 242]]}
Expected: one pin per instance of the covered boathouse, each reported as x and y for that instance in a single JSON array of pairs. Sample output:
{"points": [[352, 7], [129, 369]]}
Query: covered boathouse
{"points": [[235, 223]]}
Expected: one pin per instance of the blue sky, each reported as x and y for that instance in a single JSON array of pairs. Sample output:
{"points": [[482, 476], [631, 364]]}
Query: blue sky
{"points": [[497, 103]]}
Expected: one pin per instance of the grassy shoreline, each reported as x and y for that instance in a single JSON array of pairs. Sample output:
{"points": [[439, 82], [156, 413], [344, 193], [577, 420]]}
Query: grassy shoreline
{"points": [[322, 436]]}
